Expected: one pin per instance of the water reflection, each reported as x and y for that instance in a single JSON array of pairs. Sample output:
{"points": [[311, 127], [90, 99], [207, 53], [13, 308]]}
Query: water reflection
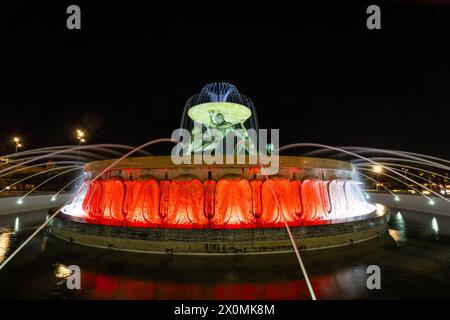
{"points": [[398, 236], [17, 225], [98, 285], [44, 242], [102, 286], [397, 232], [434, 225], [335, 274], [350, 280], [5, 243], [435, 228], [61, 271], [400, 220]]}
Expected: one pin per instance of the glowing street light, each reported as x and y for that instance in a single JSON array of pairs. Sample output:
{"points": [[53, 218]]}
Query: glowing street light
{"points": [[80, 136], [18, 144], [377, 169], [81, 139]]}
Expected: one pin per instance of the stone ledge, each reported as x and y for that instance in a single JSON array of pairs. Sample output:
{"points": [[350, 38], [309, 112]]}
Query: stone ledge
{"points": [[218, 241]]}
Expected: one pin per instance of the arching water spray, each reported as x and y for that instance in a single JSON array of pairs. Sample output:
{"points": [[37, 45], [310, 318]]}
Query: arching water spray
{"points": [[83, 188]]}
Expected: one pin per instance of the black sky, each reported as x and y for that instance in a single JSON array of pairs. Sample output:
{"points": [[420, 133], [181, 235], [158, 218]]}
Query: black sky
{"points": [[312, 69]]}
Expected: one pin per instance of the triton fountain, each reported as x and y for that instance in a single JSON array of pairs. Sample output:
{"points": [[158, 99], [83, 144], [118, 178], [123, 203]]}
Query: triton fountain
{"points": [[152, 204]]}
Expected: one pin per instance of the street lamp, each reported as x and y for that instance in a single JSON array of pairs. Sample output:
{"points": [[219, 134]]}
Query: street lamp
{"points": [[18, 144], [81, 139], [80, 136], [377, 169]]}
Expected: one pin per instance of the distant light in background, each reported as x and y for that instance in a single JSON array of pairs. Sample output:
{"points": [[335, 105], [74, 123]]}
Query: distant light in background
{"points": [[16, 140], [81, 139], [81, 136], [398, 232], [377, 169]]}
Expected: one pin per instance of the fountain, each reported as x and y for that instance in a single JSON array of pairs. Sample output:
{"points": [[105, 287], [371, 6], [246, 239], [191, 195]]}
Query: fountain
{"points": [[153, 204]]}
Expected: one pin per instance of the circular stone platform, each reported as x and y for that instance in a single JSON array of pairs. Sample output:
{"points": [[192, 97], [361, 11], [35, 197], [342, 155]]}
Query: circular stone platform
{"points": [[220, 241]]}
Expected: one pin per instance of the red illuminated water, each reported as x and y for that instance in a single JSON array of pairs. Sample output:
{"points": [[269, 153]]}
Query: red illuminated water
{"points": [[231, 202]]}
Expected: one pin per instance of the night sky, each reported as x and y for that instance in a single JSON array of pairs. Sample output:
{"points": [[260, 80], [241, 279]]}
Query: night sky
{"points": [[313, 70]]}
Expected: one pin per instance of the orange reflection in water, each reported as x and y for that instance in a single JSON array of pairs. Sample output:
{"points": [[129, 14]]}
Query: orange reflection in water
{"points": [[5, 242], [110, 287], [102, 286]]}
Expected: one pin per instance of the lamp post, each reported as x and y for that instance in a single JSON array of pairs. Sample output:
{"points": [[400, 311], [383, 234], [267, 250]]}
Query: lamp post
{"points": [[377, 169], [81, 139], [18, 144]]}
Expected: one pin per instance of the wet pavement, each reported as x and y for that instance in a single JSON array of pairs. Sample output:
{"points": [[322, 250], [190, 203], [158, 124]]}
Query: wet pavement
{"points": [[414, 257]]}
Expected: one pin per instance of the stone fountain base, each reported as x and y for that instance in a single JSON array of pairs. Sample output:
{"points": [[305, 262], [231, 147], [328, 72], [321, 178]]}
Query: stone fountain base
{"points": [[206, 241]]}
